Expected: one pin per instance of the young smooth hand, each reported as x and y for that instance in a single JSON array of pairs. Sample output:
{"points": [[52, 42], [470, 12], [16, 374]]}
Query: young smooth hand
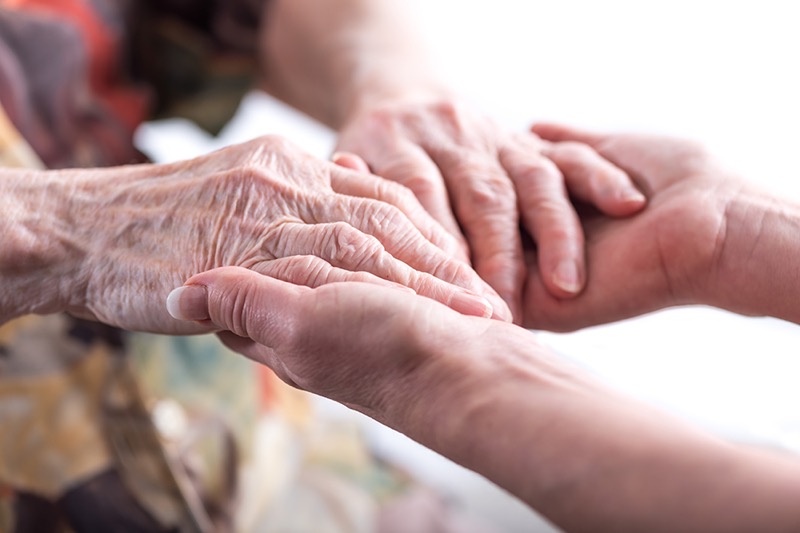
{"points": [[671, 253], [355, 343]]}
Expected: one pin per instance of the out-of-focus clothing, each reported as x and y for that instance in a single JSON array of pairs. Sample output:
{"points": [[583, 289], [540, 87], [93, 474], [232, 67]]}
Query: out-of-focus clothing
{"points": [[112, 431]]}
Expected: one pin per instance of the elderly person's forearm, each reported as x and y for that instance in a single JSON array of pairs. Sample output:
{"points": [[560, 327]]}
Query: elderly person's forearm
{"points": [[38, 262], [327, 57], [108, 244]]}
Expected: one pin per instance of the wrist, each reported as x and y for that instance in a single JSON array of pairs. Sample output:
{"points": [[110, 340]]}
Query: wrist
{"points": [[40, 261], [500, 405], [756, 273], [380, 91], [489, 400]]}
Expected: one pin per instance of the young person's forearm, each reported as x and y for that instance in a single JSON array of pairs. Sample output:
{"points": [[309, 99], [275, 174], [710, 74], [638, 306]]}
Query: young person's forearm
{"points": [[586, 457], [329, 57], [38, 260], [759, 264]]}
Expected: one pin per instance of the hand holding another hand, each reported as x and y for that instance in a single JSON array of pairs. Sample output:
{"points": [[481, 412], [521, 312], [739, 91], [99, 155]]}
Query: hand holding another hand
{"points": [[352, 342], [669, 254], [471, 175], [128, 235]]}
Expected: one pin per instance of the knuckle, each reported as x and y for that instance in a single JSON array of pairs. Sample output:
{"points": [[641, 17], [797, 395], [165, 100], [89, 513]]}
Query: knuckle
{"points": [[557, 234], [275, 143], [449, 111], [381, 121], [405, 194], [410, 173], [233, 309], [383, 216], [491, 193], [315, 270], [346, 245], [301, 270], [240, 180], [421, 184], [549, 208], [575, 150], [393, 191], [454, 272], [495, 267], [537, 169]]}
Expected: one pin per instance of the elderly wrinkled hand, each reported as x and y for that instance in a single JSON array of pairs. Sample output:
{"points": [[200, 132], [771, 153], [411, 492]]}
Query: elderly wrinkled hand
{"points": [[471, 175], [128, 235]]}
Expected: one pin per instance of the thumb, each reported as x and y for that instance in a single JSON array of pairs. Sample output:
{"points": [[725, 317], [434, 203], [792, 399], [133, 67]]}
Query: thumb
{"points": [[238, 300]]}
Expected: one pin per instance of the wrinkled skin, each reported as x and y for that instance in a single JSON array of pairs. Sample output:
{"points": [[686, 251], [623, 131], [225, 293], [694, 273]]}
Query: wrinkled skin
{"points": [[471, 175], [667, 255], [137, 232]]}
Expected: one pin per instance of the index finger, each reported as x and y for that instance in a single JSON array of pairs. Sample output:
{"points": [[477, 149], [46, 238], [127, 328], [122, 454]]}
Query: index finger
{"points": [[403, 241], [557, 133], [370, 186], [486, 205]]}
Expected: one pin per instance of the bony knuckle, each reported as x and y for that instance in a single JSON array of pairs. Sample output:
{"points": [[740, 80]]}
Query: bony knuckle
{"points": [[239, 180], [301, 269], [491, 194], [549, 208], [575, 149], [405, 195], [389, 190], [349, 246], [383, 215], [448, 110], [454, 272], [419, 183], [275, 143], [381, 120], [315, 271], [559, 234]]}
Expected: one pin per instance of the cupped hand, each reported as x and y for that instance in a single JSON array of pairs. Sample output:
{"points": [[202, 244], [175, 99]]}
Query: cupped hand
{"points": [[667, 255], [264, 205], [471, 175], [352, 342]]}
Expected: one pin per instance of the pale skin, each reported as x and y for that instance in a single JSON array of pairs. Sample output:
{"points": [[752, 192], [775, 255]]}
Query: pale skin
{"points": [[70, 235], [487, 395], [357, 65], [109, 244]]}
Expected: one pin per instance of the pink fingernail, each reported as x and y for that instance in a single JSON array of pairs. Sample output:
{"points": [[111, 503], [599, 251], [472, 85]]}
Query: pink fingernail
{"points": [[631, 196], [189, 302], [566, 276], [471, 304]]}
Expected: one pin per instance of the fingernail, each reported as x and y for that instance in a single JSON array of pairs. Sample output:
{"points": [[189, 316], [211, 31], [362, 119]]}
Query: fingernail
{"points": [[189, 302], [336, 155], [631, 196], [470, 304], [566, 276]]}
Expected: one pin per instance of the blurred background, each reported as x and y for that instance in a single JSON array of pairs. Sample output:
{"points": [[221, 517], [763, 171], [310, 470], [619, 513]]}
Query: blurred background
{"points": [[725, 73]]}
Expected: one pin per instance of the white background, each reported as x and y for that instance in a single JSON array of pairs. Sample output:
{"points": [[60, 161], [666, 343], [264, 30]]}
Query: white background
{"points": [[726, 73]]}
